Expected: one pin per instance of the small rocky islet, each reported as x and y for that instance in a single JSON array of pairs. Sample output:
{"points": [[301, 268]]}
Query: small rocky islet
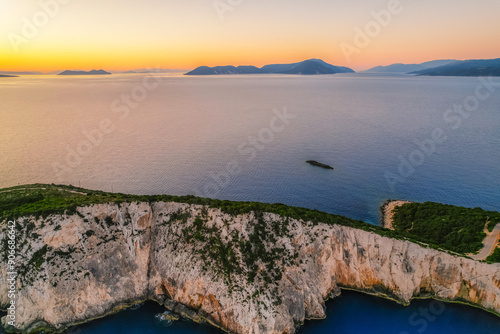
{"points": [[319, 164]]}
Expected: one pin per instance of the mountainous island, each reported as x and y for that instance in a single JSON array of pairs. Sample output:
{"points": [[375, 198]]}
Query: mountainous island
{"points": [[245, 267], [406, 68], [306, 67], [93, 72], [470, 68]]}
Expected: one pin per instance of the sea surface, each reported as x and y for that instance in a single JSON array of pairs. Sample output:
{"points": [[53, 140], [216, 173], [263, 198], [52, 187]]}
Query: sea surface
{"points": [[248, 137]]}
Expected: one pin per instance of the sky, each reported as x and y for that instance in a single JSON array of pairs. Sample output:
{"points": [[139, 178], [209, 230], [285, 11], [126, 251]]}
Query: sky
{"points": [[51, 35]]}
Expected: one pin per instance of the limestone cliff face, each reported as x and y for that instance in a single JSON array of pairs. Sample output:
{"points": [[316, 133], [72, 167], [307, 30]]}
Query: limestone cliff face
{"points": [[251, 273]]}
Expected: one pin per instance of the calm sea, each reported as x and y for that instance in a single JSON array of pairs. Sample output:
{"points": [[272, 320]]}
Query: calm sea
{"points": [[248, 137]]}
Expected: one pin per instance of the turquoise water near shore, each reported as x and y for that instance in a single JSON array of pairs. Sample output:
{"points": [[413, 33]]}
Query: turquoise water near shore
{"points": [[181, 138], [351, 313], [356, 313]]}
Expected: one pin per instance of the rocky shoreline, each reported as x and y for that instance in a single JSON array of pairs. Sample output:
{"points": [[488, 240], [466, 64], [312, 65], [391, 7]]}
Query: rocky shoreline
{"points": [[386, 212], [158, 251]]}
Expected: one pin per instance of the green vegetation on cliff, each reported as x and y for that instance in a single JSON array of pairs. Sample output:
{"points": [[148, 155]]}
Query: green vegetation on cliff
{"points": [[256, 255], [439, 226], [495, 257], [454, 228], [43, 200], [250, 254]]}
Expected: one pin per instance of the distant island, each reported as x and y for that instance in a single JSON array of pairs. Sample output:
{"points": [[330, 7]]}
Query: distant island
{"points": [[467, 68], [4, 73], [93, 72], [306, 67], [445, 67], [406, 68], [318, 164], [7, 76]]}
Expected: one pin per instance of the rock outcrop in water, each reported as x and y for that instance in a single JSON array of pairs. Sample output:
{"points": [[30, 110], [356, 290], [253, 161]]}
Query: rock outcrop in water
{"points": [[250, 273], [319, 164]]}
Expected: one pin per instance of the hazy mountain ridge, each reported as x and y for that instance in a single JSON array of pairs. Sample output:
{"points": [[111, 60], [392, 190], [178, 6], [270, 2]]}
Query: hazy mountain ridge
{"points": [[407, 68], [93, 72], [151, 70]]}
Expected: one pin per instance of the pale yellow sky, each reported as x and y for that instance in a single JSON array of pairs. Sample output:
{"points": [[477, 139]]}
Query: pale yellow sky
{"points": [[126, 34]]}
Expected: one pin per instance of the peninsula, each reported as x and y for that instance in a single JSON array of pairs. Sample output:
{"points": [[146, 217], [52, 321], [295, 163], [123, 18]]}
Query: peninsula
{"points": [[474, 232], [245, 267]]}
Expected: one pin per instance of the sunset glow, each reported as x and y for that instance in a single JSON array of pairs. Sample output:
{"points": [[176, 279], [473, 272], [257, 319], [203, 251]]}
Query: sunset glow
{"points": [[51, 35]]}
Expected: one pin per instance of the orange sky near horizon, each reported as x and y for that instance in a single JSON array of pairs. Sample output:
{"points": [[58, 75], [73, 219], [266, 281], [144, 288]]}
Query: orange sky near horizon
{"points": [[52, 35]]}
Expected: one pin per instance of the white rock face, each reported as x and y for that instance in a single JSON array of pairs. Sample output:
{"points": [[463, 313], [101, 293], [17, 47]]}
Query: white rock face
{"points": [[110, 256]]}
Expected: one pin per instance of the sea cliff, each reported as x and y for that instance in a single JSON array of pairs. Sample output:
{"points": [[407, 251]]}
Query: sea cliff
{"points": [[245, 273]]}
